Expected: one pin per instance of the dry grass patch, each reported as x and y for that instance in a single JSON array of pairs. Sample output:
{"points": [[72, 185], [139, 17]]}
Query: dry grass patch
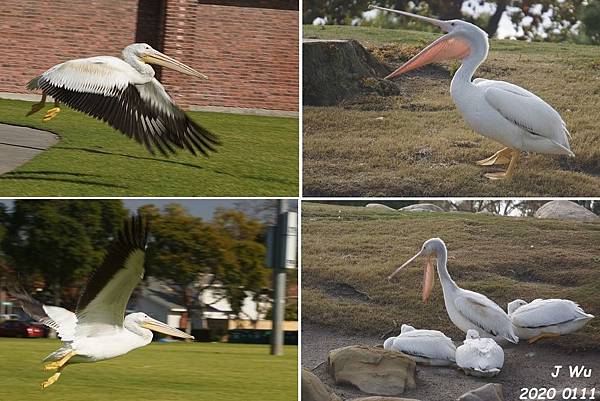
{"points": [[417, 144], [347, 253]]}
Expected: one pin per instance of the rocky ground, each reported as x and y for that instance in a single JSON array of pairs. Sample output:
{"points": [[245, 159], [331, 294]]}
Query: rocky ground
{"points": [[525, 366]]}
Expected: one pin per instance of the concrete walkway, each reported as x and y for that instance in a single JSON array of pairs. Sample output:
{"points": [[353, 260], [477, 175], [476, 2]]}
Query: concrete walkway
{"points": [[18, 145]]}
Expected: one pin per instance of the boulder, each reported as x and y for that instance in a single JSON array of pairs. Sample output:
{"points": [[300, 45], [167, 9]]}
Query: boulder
{"points": [[372, 370], [489, 392], [565, 210], [422, 207], [378, 398], [313, 389], [380, 206]]}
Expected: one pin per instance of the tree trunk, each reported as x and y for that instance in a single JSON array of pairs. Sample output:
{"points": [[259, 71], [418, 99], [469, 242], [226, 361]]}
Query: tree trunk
{"points": [[494, 21]]}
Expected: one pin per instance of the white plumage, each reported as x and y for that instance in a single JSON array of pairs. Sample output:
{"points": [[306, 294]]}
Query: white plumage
{"points": [[466, 309], [546, 316], [125, 94], [429, 347], [479, 356], [501, 111]]}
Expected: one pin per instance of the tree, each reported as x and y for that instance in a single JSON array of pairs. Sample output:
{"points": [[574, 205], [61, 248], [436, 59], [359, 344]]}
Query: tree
{"points": [[590, 17], [61, 241]]}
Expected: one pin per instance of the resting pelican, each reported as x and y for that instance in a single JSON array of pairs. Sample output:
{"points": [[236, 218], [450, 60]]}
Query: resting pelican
{"points": [[125, 94], [429, 347], [501, 111], [98, 330], [466, 309], [479, 356], [546, 318]]}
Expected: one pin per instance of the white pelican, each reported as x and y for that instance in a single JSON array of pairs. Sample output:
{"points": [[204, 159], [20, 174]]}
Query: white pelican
{"points": [[479, 356], [546, 318], [466, 309], [430, 347], [125, 94], [99, 330], [501, 111]]}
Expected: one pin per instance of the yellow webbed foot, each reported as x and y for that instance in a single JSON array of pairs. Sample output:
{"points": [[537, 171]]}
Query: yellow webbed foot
{"points": [[540, 336], [51, 366], [50, 114], [496, 176], [502, 156], [51, 380]]}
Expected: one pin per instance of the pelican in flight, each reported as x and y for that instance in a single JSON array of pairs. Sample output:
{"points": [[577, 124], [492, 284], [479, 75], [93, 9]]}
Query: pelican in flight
{"points": [[429, 347], [98, 329], [481, 357], [546, 318], [466, 309], [125, 94], [501, 111]]}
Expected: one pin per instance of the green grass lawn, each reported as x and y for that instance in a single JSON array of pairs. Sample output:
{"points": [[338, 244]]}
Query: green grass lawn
{"points": [[158, 372], [417, 144], [347, 253], [259, 157]]}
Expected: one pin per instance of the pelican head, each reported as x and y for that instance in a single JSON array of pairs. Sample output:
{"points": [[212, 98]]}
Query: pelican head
{"points": [[406, 328], [430, 249], [140, 319], [460, 40], [514, 305], [472, 334], [146, 54]]}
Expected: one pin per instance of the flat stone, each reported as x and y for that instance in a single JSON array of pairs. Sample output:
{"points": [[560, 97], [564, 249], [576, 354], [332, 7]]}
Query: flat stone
{"points": [[489, 392], [422, 207], [378, 398], [18, 145], [565, 210], [380, 206], [313, 389], [372, 370]]}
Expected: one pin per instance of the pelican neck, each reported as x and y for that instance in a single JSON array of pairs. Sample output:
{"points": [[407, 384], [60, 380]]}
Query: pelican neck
{"points": [[442, 268], [464, 75]]}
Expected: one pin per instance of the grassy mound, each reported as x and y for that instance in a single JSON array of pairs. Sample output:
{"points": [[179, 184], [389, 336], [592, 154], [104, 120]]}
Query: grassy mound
{"points": [[417, 144], [347, 253]]}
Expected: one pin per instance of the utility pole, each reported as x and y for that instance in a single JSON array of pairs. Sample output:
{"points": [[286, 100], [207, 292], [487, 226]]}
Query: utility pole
{"points": [[279, 277]]}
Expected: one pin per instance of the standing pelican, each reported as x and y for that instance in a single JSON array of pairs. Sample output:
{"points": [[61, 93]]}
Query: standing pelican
{"points": [[479, 356], [99, 330], [546, 318], [125, 94], [466, 309], [429, 347], [501, 111]]}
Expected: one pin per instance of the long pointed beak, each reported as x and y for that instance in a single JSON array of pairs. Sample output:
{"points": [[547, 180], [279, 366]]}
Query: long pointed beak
{"points": [[161, 327], [159, 58], [401, 267], [443, 25], [428, 279]]}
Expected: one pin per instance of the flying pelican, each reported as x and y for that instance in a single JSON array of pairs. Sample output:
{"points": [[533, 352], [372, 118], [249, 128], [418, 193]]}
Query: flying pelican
{"points": [[466, 309], [479, 356], [501, 111], [430, 347], [546, 318], [125, 94], [99, 330]]}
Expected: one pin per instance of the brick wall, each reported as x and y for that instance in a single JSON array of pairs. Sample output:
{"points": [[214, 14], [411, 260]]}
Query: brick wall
{"points": [[250, 54], [39, 34], [249, 49]]}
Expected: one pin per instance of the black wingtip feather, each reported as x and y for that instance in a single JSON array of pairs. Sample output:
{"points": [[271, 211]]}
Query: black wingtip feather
{"points": [[132, 236]]}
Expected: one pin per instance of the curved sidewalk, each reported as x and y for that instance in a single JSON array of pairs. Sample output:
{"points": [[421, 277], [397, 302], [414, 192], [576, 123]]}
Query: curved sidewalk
{"points": [[18, 145]]}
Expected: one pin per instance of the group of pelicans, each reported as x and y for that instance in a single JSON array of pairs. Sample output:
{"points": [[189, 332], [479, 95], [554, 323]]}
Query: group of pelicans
{"points": [[483, 321]]}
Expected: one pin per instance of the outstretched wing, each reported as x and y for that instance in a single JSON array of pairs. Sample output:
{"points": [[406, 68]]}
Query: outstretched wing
{"points": [[57, 318], [485, 315], [101, 308], [526, 110], [110, 90]]}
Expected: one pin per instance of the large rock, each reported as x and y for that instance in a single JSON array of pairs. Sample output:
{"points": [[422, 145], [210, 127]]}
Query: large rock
{"points": [[489, 392], [378, 398], [422, 207], [565, 210], [372, 370], [380, 206], [313, 389]]}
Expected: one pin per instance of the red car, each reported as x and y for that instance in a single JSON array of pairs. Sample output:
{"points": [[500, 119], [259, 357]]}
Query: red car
{"points": [[19, 328]]}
